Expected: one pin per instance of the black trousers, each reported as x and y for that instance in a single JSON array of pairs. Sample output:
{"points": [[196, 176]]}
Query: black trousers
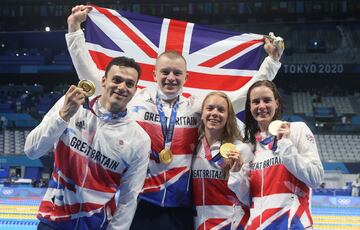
{"points": [[150, 216]]}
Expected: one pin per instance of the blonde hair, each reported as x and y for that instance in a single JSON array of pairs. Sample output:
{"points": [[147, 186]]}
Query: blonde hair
{"points": [[231, 130], [172, 54]]}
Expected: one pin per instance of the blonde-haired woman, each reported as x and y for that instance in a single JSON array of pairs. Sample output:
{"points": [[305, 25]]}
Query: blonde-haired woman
{"points": [[216, 205]]}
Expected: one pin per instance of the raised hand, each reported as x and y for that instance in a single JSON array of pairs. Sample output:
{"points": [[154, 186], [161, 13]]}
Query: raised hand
{"points": [[274, 46], [74, 98], [78, 15]]}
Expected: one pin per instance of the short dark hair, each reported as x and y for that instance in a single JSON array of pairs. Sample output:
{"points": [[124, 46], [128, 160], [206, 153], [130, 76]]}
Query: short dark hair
{"points": [[126, 62]]}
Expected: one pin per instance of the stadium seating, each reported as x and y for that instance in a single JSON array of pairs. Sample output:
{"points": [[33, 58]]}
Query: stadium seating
{"points": [[12, 142], [303, 103], [338, 148], [342, 105]]}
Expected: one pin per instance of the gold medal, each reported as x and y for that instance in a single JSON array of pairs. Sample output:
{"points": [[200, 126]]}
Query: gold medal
{"points": [[165, 156], [274, 127], [226, 148], [88, 86]]}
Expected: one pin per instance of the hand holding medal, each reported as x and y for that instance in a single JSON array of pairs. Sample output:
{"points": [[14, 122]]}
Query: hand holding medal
{"points": [[274, 127], [226, 148], [74, 97], [229, 151], [279, 128], [89, 89]]}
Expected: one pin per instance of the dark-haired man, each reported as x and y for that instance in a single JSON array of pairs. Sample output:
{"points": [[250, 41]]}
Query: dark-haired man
{"points": [[98, 150]]}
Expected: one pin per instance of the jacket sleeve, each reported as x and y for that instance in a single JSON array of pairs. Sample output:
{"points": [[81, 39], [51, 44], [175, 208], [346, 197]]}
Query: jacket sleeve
{"points": [[239, 183], [267, 71], [131, 184], [41, 139], [300, 155], [84, 65]]}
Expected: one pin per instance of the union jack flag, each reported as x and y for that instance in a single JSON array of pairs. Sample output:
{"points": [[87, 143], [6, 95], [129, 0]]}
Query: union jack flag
{"points": [[216, 59]]}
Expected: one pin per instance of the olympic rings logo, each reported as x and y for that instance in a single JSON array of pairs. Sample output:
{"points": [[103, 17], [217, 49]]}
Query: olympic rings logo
{"points": [[344, 201], [7, 191]]}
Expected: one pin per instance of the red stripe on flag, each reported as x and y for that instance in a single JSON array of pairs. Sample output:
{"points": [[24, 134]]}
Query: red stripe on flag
{"points": [[216, 81], [129, 32], [228, 54], [175, 36], [195, 80], [101, 60]]}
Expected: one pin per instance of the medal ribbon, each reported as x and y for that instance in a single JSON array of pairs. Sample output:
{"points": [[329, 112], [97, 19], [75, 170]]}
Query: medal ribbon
{"points": [[167, 128], [271, 141], [207, 149], [102, 116], [218, 160]]}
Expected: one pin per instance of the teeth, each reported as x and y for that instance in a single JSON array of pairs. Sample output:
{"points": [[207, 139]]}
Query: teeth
{"points": [[262, 112]]}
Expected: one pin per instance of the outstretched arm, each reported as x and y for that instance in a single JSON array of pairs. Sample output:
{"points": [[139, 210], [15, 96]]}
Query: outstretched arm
{"points": [[84, 65], [270, 66]]}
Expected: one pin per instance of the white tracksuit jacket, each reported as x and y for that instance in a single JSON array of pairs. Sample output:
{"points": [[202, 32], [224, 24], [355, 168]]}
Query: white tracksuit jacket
{"points": [[217, 207], [277, 185], [92, 160]]}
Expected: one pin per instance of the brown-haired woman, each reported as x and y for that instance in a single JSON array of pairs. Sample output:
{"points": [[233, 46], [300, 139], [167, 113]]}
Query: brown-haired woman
{"points": [[277, 183]]}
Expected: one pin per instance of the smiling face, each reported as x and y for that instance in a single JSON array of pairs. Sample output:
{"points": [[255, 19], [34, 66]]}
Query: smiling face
{"points": [[215, 114], [170, 73], [263, 105], [119, 87]]}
